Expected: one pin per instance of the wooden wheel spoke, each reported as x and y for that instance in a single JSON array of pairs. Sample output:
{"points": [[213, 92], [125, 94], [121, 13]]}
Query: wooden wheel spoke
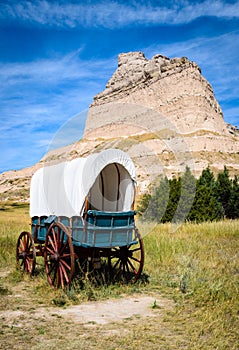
{"points": [[67, 255], [132, 266], [116, 264], [25, 242], [53, 266], [135, 250], [20, 251], [28, 245], [59, 256], [64, 273], [63, 248], [123, 263], [127, 267], [65, 264], [28, 265], [135, 259], [61, 277], [25, 251], [23, 246], [57, 278], [52, 244], [54, 237], [50, 250], [124, 271]]}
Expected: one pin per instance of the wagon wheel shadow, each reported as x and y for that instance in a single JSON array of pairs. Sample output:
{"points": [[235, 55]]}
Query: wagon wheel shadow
{"points": [[103, 276]]}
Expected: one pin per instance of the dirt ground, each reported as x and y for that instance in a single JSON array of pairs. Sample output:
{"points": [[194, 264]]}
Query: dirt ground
{"points": [[110, 311], [111, 323], [97, 312]]}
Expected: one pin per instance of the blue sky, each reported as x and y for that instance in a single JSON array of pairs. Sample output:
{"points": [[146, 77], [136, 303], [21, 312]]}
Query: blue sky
{"points": [[55, 56]]}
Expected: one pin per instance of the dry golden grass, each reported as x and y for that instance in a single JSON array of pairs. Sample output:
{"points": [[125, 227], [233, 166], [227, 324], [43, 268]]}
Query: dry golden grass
{"points": [[196, 266]]}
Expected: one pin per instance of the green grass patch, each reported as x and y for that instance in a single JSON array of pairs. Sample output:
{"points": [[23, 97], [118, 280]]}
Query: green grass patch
{"points": [[14, 218]]}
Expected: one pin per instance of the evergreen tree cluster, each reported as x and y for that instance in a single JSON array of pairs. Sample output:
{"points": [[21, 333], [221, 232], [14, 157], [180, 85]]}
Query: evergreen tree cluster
{"points": [[189, 199]]}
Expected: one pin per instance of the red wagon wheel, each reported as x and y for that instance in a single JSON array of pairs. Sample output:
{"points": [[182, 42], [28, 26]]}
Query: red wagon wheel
{"points": [[26, 253], [126, 263], [59, 256]]}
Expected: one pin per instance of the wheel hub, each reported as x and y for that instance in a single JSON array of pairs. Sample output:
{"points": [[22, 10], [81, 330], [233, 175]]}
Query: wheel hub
{"points": [[55, 257], [23, 255]]}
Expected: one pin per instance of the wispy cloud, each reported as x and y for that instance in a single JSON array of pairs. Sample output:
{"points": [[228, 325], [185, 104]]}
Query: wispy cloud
{"points": [[67, 78], [111, 14], [38, 97]]}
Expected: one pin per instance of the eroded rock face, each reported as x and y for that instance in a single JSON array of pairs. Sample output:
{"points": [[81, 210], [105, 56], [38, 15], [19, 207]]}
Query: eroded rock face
{"points": [[174, 88], [170, 109]]}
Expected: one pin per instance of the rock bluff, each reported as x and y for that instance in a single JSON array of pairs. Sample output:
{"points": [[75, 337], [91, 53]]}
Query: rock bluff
{"points": [[174, 88]]}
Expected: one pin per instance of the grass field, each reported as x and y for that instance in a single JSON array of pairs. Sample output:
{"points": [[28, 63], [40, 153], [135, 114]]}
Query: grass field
{"points": [[196, 267]]}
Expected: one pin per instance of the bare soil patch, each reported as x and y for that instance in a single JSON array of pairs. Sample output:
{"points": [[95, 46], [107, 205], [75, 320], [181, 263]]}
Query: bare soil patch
{"points": [[122, 322], [116, 310]]}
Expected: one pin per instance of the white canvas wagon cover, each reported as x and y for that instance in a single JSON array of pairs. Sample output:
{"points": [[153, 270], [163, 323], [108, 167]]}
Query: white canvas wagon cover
{"points": [[106, 180]]}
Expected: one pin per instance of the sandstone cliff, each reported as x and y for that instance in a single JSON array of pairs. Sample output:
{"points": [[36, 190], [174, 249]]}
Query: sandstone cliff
{"points": [[170, 108], [174, 88], [161, 111]]}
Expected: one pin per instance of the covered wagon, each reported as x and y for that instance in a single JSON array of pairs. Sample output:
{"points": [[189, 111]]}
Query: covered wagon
{"points": [[82, 213]]}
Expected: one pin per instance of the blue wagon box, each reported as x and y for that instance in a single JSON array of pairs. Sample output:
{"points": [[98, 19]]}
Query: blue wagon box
{"points": [[101, 229], [107, 229]]}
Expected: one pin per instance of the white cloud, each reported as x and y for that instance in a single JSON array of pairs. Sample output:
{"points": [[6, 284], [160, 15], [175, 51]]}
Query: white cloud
{"points": [[111, 14], [50, 71]]}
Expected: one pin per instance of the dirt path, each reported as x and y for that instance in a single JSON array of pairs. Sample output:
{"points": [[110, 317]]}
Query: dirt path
{"points": [[116, 310], [126, 322], [92, 312], [96, 312]]}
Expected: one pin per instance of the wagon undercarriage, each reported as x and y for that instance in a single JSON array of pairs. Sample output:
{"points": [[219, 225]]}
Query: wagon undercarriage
{"points": [[63, 261]]}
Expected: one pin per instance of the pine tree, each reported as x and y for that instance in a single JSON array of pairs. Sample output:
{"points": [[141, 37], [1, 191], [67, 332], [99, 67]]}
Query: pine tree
{"points": [[143, 204], [233, 205], [151, 212], [174, 196], [153, 207], [163, 195], [224, 190], [206, 206], [188, 191]]}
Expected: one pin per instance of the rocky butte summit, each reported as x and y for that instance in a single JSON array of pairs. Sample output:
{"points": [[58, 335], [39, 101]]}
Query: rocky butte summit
{"points": [[162, 112]]}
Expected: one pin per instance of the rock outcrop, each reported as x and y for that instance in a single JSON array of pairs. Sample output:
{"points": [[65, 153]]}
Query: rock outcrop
{"points": [[170, 108], [174, 88], [162, 112]]}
